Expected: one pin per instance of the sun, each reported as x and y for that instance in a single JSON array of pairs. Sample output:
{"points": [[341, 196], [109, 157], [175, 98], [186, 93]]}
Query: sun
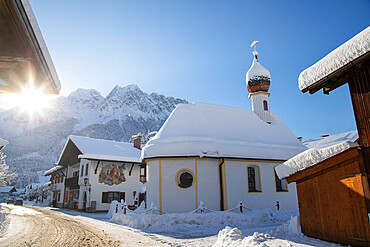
{"points": [[32, 100]]}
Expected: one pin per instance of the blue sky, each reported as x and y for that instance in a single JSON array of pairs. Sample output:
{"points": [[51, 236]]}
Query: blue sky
{"points": [[199, 50]]}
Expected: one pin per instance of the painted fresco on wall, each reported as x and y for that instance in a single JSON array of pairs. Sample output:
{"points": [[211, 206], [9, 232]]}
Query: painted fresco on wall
{"points": [[112, 174]]}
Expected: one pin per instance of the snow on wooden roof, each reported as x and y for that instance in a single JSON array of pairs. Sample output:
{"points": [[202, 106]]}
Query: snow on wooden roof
{"points": [[99, 149], [7, 189], [50, 171], [3, 143], [208, 130], [320, 150], [345, 54], [323, 142]]}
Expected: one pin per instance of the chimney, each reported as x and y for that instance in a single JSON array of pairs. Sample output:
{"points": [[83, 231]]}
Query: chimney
{"points": [[137, 140]]}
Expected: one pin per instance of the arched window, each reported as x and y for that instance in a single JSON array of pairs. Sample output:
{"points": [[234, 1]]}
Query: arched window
{"points": [[281, 185], [265, 105], [254, 179]]}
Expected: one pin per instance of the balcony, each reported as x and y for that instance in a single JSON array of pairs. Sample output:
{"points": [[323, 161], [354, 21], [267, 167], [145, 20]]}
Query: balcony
{"points": [[72, 182]]}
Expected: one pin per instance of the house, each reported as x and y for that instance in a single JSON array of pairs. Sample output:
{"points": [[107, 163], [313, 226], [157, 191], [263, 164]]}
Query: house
{"points": [[333, 182], [221, 155], [3, 143], [91, 173], [7, 190]]}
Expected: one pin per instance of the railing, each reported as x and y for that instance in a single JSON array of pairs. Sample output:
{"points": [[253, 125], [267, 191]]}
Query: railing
{"points": [[72, 182]]}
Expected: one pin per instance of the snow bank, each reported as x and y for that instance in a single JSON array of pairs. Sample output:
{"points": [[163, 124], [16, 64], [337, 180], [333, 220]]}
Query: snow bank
{"points": [[310, 157], [233, 237], [191, 220], [235, 132], [256, 71], [343, 55], [2, 218]]}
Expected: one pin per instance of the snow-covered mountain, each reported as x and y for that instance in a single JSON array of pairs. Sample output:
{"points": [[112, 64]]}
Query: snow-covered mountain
{"points": [[36, 142]]}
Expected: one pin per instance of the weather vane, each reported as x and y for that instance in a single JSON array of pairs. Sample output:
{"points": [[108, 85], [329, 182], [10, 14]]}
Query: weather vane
{"points": [[254, 44]]}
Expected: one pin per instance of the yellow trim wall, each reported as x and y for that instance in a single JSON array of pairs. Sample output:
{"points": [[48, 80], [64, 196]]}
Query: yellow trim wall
{"points": [[160, 186], [196, 182]]}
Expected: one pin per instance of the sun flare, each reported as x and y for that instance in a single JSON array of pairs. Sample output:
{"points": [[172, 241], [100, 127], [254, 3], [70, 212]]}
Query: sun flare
{"points": [[31, 100]]}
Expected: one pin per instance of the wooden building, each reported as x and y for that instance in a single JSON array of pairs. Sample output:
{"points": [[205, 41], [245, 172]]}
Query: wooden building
{"points": [[333, 193]]}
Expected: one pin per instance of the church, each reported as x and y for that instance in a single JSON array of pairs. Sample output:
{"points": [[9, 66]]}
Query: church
{"points": [[221, 155]]}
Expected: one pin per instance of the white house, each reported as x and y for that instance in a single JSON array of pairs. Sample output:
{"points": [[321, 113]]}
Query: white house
{"points": [[94, 172], [221, 155]]}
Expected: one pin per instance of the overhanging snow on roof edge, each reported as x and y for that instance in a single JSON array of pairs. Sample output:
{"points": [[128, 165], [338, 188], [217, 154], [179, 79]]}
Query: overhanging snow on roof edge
{"points": [[109, 158], [310, 158], [345, 54]]}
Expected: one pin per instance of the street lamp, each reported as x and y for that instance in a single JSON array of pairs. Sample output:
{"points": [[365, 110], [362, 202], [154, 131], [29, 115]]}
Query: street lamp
{"points": [[85, 181]]}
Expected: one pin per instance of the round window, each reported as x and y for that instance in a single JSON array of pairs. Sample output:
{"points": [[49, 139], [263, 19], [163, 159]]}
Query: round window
{"points": [[185, 179]]}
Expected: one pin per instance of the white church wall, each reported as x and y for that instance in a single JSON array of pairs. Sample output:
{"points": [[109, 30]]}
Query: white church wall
{"points": [[152, 183], [237, 187], [208, 183], [174, 198], [95, 188]]}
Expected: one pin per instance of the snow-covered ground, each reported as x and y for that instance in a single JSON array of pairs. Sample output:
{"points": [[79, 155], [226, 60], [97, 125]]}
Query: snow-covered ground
{"points": [[263, 227], [255, 228]]}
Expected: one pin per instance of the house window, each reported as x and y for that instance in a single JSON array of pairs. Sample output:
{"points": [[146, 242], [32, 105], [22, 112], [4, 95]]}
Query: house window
{"points": [[254, 181], [265, 105], [58, 196], [184, 178], [82, 170], [108, 197], [281, 185], [75, 174], [143, 173], [58, 180], [87, 169], [61, 179]]}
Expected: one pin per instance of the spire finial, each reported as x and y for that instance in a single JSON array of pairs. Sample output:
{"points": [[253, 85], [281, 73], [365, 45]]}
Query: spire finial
{"points": [[254, 44]]}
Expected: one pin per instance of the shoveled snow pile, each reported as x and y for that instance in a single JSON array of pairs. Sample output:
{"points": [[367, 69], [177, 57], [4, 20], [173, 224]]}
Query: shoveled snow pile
{"points": [[343, 55], [2, 218], [206, 220], [311, 157], [233, 237]]}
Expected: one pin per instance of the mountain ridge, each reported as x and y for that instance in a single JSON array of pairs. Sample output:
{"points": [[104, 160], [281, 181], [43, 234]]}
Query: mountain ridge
{"points": [[36, 142]]}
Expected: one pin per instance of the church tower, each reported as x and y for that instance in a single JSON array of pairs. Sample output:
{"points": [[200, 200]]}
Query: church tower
{"points": [[258, 82]]}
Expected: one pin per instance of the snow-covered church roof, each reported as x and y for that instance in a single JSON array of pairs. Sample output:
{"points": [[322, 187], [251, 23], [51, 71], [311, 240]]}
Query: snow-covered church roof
{"points": [[319, 150], [99, 149], [208, 130], [345, 54]]}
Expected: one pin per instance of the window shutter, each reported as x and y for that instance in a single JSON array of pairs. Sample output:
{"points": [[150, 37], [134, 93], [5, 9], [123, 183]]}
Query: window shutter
{"points": [[104, 197], [121, 196]]}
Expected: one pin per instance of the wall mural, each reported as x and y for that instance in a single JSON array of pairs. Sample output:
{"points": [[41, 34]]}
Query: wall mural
{"points": [[112, 174]]}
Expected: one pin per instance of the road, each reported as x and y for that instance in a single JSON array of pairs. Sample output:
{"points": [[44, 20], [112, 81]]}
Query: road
{"points": [[37, 226]]}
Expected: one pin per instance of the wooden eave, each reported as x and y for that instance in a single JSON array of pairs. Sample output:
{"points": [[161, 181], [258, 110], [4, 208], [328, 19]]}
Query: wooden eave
{"points": [[23, 55], [325, 166], [336, 78]]}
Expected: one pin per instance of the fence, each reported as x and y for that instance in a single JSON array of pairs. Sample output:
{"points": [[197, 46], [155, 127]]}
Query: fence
{"points": [[122, 208]]}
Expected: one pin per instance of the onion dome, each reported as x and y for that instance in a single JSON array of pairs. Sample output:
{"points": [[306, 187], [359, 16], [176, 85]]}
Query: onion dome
{"points": [[258, 77]]}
